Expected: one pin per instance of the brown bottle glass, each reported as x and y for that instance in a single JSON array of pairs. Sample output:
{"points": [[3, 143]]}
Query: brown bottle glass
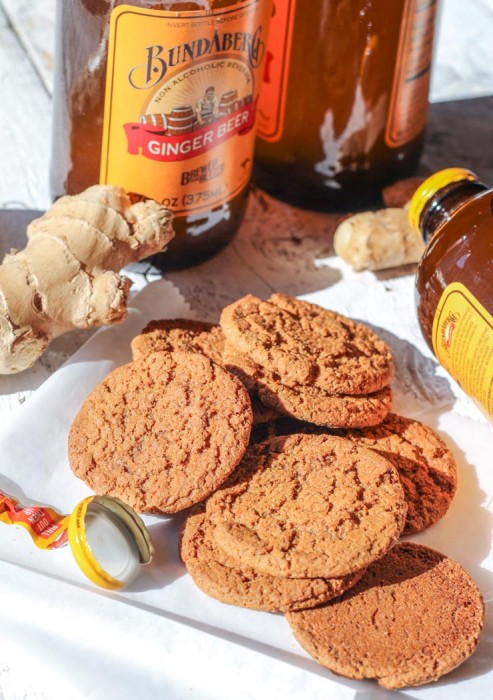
{"points": [[454, 285], [160, 98], [344, 102]]}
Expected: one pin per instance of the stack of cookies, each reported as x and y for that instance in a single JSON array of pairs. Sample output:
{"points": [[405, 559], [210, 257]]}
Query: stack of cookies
{"points": [[307, 362], [275, 428], [426, 467], [308, 525], [296, 523]]}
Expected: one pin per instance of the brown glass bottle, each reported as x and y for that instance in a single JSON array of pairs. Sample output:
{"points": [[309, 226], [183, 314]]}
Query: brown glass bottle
{"points": [[453, 210], [160, 97], [344, 101]]}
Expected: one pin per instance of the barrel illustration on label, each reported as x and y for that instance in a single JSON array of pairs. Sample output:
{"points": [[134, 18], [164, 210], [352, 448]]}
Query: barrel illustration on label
{"points": [[194, 112]]}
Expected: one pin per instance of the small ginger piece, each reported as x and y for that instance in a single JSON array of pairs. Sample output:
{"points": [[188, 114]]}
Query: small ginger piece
{"points": [[67, 275], [376, 240]]}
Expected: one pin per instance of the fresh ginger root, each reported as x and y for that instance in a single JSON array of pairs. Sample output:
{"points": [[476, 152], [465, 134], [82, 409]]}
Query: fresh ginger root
{"points": [[376, 240], [67, 275]]}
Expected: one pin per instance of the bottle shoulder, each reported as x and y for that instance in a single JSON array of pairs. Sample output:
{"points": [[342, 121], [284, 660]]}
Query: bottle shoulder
{"points": [[472, 217], [461, 250]]}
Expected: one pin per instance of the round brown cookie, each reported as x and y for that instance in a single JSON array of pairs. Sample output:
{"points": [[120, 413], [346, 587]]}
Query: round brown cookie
{"points": [[219, 575], [308, 403], [415, 615], [426, 467], [317, 407], [307, 506], [307, 345], [180, 335], [161, 433]]}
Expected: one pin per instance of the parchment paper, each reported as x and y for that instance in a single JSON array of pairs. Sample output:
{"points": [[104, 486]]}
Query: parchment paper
{"points": [[163, 637]]}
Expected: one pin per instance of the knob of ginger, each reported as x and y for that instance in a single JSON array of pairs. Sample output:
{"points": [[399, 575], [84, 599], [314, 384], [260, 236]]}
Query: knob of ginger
{"points": [[376, 240], [67, 275]]}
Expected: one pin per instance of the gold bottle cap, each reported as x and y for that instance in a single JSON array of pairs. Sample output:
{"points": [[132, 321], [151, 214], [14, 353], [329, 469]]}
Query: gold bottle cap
{"points": [[108, 541], [430, 187]]}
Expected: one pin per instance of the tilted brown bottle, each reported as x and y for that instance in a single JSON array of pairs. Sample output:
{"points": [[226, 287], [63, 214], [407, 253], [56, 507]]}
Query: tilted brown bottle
{"points": [[344, 101], [160, 97], [453, 211]]}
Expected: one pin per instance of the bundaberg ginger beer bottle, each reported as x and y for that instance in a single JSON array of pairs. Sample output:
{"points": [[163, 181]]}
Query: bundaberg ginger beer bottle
{"points": [[344, 100], [453, 211], [161, 98]]}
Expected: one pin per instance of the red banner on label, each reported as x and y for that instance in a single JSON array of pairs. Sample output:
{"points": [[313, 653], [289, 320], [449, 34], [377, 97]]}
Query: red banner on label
{"points": [[152, 142]]}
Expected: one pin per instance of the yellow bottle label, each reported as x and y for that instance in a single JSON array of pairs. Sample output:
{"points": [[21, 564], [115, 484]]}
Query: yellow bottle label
{"points": [[272, 103], [181, 101], [463, 342], [409, 100]]}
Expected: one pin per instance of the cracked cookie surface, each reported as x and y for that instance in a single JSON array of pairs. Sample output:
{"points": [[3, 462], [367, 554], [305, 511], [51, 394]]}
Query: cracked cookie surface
{"points": [[161, 433], [308, 403], [309, 506], [413, 616], [220, 576], [180, 335], [304, 344], [426, 467]]}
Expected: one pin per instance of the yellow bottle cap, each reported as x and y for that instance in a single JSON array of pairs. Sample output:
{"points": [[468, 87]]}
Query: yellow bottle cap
{"points": [[430, 187], [108, 541]]}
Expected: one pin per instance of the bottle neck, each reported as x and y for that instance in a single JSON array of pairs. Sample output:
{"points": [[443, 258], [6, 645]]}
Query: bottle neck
{"points": [[441, 207]]}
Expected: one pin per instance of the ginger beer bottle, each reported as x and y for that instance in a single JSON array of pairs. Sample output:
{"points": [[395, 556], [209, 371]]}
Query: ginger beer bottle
{"points": [[453, 211], [161, 98], [344, 100]]}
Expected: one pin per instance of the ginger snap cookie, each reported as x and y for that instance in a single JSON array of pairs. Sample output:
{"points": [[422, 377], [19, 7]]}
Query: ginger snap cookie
{"points": [[304, 344], [426, 467], [309, 403], [180, 335], [162, 432], [413, 616], [218, 575], [309, 506]]}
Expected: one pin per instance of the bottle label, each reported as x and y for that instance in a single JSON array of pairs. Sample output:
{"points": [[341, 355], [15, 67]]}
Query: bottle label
{"points": [[181, 102], [272, 102], [463, 342], [48, 529], [409, 100]]}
